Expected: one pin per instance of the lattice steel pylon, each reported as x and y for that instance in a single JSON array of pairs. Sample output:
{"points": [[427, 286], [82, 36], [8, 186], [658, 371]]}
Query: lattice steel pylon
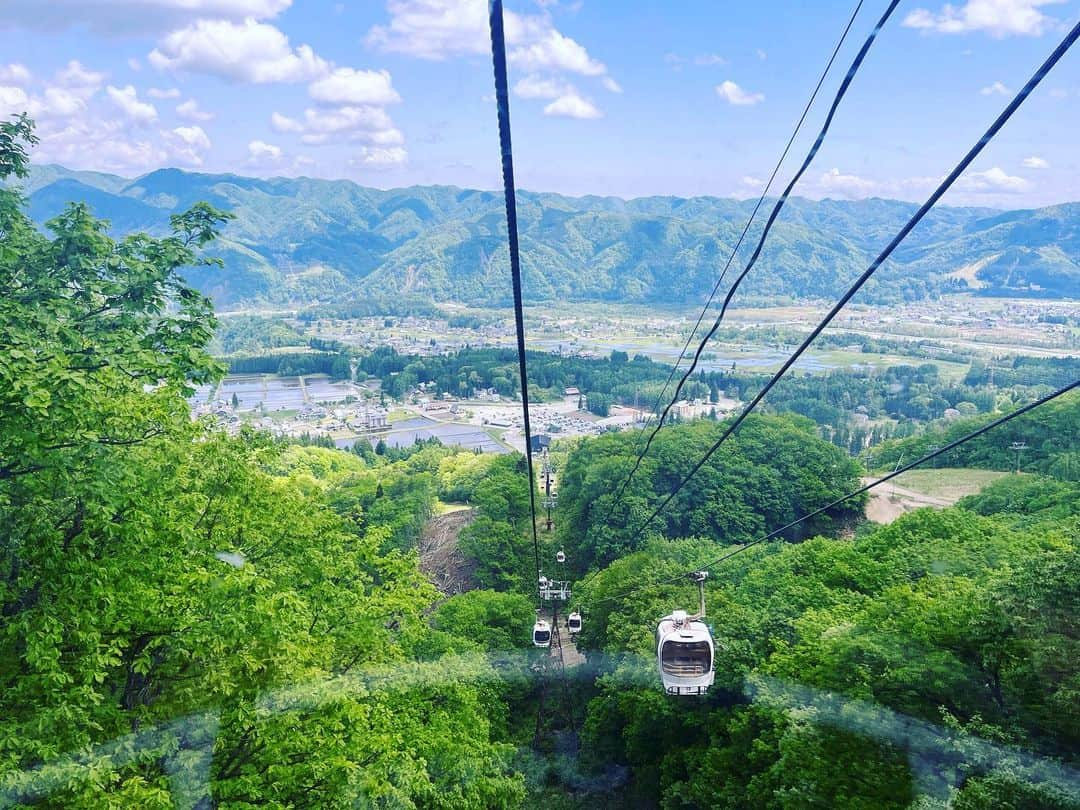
{"points": [[551, 497]]}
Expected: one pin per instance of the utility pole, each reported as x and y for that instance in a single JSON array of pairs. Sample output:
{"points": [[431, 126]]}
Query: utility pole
{"points": [[1019, 447]]}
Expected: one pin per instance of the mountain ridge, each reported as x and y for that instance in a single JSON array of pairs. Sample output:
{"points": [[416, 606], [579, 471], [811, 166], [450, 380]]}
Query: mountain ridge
{"points": [[305, 240]]}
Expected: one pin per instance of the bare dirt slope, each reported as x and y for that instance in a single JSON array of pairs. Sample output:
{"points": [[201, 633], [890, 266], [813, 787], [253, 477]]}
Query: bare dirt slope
{"points": [[887, 502], [440, 559], [919, 488]]}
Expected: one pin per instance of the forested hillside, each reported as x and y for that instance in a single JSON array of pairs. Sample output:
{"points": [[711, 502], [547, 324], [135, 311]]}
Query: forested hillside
{"points": [[198, 620], [304, 240], [931, 663], [193, 620]]}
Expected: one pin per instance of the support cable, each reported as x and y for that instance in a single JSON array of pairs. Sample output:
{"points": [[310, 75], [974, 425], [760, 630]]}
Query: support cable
{"points": [[995, 127], [730, 259], [840, 93], [502, 100], [855, 493]]}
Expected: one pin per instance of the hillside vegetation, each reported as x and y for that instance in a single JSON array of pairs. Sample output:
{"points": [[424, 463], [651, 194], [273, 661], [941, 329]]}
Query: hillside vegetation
{"points": [[301, 240], [197, 620]]}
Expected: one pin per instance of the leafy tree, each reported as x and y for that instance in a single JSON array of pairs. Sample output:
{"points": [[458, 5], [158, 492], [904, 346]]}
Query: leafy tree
{"points": [[943, 618], [772, 471], [497, 621], [599, 404], [193, 589]]}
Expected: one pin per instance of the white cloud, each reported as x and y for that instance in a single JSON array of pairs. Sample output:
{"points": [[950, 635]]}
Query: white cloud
{"points": [[750, 180], [347, 119], [537, 87], [835, 183], [440, 29], [611, 85], [157, 92], [553, 50], [57, 102], [127, 101], [13, 99], [383, 137], [82, 125], [14, 74], [998, 18], [76, 76], [115, 17], [187, 144], [1035, 162], [282, 123], [572, 106], [134, 64], [733, 94], [189, 111], [994, 180], [847, 185], [67, 95], [363, 123], [260, 152], [249, 51], [434, 29], [992, 186], [709, 59], [762, 55], [995, 89], [193, 136], [350, 86], [381, 157], [87, 142]]}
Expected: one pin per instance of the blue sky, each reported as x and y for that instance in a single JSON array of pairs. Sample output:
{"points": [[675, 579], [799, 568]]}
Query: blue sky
{"points": [[625, 98]]}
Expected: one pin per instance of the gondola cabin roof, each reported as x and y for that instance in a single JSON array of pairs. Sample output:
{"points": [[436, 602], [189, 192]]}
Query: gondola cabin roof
{"points": [[542, 633], [684, 652]]}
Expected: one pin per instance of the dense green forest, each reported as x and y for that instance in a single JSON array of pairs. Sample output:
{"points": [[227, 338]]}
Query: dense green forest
{"points": [[930, 663], [195, 620], [773, 471], [367, 251], [1048, 435]]}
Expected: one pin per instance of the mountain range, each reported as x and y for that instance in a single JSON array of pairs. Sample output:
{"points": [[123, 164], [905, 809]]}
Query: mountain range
{"points": [[299, 241]]}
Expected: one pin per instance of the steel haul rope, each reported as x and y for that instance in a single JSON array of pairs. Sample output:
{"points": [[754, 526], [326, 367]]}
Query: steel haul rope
{"points": [[995, 127], [730, 259], [502, 100], [840, 93], [865, 488]]}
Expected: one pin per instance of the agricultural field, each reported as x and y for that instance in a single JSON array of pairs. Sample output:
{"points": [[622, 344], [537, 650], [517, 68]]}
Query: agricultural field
{"points": [[754, 338]]}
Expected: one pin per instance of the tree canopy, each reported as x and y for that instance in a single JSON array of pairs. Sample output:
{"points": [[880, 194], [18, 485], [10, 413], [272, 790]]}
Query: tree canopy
{"points": [[176, 600]]}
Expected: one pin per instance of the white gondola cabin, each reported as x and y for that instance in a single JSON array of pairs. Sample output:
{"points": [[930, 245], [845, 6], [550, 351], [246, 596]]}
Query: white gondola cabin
{"points": [[684, 651], [541, 634], [573, 623]]}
